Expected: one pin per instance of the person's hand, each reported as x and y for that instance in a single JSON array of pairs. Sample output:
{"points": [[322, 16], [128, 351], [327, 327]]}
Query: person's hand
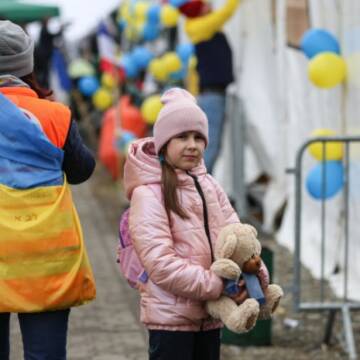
{"points": [[65, 25], [140, 286], [242, 295], [50, 97]]}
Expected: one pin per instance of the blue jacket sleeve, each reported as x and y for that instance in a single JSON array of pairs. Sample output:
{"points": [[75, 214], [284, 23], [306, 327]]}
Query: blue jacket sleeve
{"points": [[79, 163]]}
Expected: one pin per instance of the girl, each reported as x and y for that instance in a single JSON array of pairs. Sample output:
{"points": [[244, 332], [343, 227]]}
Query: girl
{"points": [[177, 211]]}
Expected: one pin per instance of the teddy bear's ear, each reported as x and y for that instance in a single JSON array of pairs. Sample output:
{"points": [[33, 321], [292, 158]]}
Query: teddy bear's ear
{"points": [[226, 248]]}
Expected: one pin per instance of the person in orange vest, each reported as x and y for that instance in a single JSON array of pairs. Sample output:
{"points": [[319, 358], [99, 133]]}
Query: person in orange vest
{"points": [[44, 268]]}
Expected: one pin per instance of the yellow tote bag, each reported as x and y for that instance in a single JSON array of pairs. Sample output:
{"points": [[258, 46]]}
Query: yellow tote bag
{"points": [[43, 261]]}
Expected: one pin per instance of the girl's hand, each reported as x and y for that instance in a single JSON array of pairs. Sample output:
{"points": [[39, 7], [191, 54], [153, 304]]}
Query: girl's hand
{"points": [[242, 295], [140, 286]]}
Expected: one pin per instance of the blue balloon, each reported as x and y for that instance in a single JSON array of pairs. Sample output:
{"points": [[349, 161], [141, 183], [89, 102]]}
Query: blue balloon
{"points": [[129, 65], [123, 141], [88, 85], [185, 51], [178, 75], [333, 178], [177, 3], [153, 14], [122, 25], [315, 41], [151, 32], [141, 56]]}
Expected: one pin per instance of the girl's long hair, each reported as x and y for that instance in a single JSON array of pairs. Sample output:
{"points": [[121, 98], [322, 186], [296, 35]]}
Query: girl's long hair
{"points": [[30, 79], [169, 185]]}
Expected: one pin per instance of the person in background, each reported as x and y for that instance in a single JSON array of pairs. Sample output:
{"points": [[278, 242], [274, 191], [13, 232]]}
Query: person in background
{"points": [[176, 213], [44, 51], [44, 269], [214, 65]]}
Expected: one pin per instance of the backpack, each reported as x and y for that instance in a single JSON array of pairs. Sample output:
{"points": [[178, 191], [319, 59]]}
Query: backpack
{"points": [[129, 263]]}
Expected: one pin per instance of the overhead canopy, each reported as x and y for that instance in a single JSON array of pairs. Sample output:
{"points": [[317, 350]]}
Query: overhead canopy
{"points": [[20, 12]]}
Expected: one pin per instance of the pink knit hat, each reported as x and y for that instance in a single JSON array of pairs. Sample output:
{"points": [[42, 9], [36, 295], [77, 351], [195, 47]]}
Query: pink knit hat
{"points": [[179, 114]]}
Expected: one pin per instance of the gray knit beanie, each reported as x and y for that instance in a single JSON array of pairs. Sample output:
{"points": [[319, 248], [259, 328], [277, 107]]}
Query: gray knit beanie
{"points": [[16, 50]]}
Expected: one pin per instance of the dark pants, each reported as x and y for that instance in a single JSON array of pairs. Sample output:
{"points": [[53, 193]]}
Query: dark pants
{"points": [[43, 334], [184, 345]]}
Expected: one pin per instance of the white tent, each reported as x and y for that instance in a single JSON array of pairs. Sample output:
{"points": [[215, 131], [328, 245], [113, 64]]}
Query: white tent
{"points": [[283, 108]]}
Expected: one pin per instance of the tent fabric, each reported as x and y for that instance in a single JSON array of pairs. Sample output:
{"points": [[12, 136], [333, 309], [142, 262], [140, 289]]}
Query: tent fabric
{"points": [[20, 12], [283, 107]]}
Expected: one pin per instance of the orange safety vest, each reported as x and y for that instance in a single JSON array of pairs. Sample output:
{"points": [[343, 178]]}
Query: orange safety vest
{"points": [[43, 260]]}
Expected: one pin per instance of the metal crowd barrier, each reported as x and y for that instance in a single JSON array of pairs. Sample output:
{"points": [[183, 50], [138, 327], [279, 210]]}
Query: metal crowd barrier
{"points": [[342, 305], [236, 116]]}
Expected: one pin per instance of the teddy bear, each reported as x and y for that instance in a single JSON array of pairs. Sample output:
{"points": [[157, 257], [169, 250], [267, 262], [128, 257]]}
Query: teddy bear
{"points": [[237, 252]]}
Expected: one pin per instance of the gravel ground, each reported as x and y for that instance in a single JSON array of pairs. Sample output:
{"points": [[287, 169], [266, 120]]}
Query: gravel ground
{"points": [[300, 342]]}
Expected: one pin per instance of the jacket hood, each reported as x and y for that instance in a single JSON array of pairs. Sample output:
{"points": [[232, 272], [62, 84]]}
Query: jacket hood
{"points": [[142, 167]]}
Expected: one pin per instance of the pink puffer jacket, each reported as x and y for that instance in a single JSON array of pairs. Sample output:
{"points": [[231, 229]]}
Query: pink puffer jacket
{"points": [[176, 254]]}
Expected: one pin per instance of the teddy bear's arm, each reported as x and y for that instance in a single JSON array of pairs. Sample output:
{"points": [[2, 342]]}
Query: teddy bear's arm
{"points": [[226, 268]]}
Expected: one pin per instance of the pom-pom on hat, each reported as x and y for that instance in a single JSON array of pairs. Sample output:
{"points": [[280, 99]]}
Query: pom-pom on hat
{"points": [[179, 114], [16, 50]]}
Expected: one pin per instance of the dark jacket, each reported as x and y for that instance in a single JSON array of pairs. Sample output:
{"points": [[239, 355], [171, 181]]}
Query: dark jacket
{"points": [[78, 163], [215, 66]]}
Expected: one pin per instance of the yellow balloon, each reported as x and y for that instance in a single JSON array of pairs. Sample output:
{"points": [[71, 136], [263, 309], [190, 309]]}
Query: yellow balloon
{"points": [[169, 15], [141, 9], [107, 81], [172, 62], [124, 11], [192, 62], [102, 99], [327, 70], [150, 108], [131, 33], [139, 26], [158, 70], [333, 150]]}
